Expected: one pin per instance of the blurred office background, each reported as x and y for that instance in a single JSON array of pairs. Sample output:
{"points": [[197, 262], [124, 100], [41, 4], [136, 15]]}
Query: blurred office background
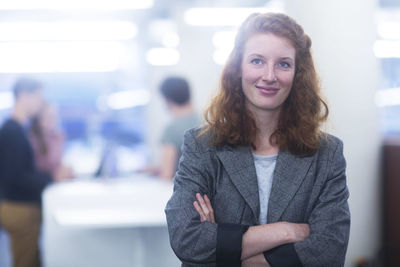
{"points": [[102, 63]]}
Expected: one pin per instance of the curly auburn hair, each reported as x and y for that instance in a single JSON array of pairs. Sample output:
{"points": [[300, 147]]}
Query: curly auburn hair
{"points": [[301, 114]]}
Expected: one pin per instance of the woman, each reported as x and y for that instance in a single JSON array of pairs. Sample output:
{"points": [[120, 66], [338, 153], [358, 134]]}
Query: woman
{"points": [[48, 143], [260, 184]]}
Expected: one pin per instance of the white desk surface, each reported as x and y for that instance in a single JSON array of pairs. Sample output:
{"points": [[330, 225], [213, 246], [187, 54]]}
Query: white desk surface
{"points": [[133, 201]]}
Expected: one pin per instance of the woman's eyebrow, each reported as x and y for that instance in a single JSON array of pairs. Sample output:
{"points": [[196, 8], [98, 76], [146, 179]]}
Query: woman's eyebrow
{"points": [[287, 58], [255, 55]]}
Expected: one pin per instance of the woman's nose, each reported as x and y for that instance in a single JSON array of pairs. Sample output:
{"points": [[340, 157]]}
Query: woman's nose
{"points": [[269, 74]]}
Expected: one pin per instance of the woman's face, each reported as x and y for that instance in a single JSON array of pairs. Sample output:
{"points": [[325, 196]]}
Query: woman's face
{"points": [[34, 101], [268, 68], [48, 118]]}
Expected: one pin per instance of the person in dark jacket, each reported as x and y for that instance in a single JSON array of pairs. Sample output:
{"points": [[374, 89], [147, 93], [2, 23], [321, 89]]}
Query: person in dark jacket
{"points": [[21, 182]]}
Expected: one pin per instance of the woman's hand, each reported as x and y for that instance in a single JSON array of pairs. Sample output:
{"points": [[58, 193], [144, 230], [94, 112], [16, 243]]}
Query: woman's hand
{"points": [[204, 208], [63, 173]]}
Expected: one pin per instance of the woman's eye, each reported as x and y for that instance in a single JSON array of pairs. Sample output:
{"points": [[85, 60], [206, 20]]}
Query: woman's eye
{"points": [[284, 65], [256, 61]]}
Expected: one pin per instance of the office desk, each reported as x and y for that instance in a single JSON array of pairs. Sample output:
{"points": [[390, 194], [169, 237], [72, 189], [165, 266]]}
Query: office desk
{"points": [[116, 222]]}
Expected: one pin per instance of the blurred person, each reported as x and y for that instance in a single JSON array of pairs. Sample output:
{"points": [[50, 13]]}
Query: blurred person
{"points": [[176, 92], [47, 141], [22, 183], [261, 184]]}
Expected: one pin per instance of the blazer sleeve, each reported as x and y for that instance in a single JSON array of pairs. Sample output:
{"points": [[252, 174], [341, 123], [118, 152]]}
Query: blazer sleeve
{"points": [[194, 241], [329, 220]]}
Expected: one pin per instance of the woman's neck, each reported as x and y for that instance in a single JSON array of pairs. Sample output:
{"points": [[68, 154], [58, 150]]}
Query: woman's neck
{"points": [[266, 124]]}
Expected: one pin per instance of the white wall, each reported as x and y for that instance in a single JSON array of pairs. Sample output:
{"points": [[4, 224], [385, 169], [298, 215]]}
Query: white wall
{"points": [[343, 33]]}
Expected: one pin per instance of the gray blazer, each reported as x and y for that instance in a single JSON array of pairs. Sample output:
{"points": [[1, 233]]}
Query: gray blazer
{"points": [[305, 189]]}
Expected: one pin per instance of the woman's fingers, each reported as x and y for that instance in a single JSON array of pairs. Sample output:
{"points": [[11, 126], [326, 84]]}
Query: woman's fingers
{"points": [[208, 204], [199, 210], [203, 206]]}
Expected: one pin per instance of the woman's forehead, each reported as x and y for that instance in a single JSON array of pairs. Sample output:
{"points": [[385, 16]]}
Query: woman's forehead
{"points": [[268, 43]]}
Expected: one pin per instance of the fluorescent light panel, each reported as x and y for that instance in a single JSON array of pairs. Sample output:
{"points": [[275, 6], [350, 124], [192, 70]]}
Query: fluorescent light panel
{"points": [[128, 99], [220, 16], [164, 31], [387, 49], [75, 4], [6, 100], [33, 57], [223, 42], [162, 56], [72, 30], [388, 97]]}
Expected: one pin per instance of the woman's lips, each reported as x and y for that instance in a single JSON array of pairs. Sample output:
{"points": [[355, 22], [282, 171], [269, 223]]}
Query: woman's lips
{"points": [[267, 90]]}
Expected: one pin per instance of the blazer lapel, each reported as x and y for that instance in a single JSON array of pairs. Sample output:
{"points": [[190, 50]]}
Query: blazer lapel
{"points": [[239, 165], [289, 173]]}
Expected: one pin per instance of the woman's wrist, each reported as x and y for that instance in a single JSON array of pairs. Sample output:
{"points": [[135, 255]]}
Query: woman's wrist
{"points": [[264, 237], [294, 232], [285, 231]]}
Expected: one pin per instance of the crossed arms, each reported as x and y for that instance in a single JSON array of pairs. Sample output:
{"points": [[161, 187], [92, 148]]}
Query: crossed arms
{"points": [[257, 239], [195, 237]]}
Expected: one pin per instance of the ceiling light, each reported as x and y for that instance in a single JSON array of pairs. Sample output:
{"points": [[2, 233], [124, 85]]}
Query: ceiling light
{"points": [[162, 56], [6, 100], [128, 99], [388, 97], [224, 39], [164, 31], [67, 30], [75, 4], [30, 57], [220, 16], [387, 49]]}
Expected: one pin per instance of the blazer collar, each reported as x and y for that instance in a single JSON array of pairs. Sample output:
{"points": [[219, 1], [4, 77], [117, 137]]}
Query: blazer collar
{"points": [[289, 173], [239, 164]]}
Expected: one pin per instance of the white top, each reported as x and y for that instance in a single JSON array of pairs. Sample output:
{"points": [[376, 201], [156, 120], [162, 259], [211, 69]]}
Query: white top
{"points": [[265, 166]]}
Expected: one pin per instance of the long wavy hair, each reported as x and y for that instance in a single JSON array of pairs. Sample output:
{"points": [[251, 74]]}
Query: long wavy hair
{"points": [[298, 128]]}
